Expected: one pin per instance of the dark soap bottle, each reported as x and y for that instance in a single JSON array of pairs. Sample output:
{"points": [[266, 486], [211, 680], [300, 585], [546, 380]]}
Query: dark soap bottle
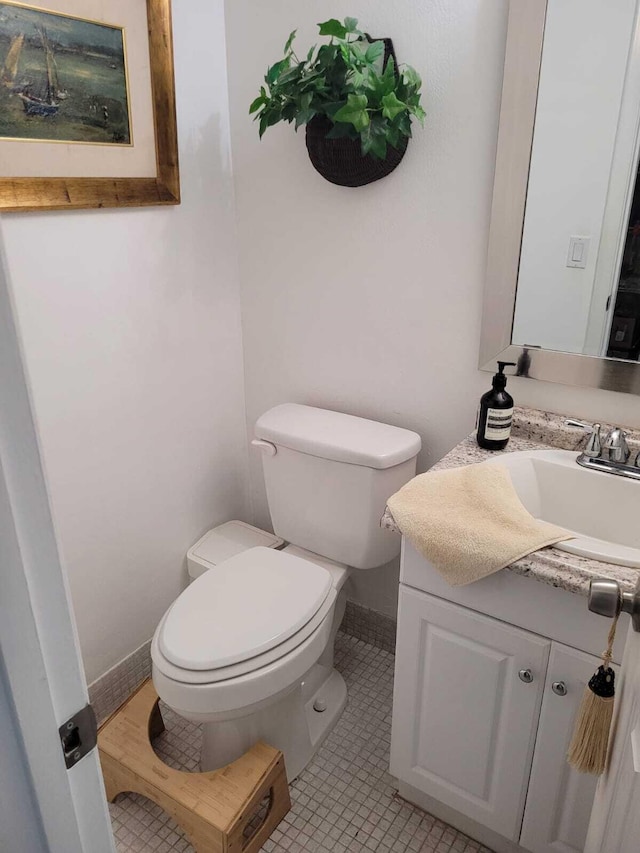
{"points": [[495, 414]]}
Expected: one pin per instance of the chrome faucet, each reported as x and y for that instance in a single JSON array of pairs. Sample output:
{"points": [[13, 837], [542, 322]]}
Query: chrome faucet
{"points": [[593, 448], [611, 455], [616, 448]]}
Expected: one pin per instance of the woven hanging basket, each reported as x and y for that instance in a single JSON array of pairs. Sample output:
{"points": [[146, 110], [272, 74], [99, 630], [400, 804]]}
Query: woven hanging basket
{"points": [[341, 160]]}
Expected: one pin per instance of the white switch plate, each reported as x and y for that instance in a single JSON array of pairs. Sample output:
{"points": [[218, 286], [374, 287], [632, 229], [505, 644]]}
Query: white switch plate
{"points": [[578, 252]]}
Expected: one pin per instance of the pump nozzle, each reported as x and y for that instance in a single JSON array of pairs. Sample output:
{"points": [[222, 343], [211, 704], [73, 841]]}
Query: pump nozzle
{"points": [[500, 380]]}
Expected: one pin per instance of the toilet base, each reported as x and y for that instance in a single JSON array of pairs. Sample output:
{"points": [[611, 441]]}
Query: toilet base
{"points": [[296, 723]]}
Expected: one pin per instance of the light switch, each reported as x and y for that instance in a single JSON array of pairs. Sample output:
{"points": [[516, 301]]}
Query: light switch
{"points": [[578, 252]]}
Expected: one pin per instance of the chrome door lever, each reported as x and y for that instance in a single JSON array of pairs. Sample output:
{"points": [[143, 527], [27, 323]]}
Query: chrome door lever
{"points": [[607, 599]]}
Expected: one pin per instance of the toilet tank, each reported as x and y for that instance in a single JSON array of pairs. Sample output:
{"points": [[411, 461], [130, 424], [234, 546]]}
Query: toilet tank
{"points": [[328, 478]]}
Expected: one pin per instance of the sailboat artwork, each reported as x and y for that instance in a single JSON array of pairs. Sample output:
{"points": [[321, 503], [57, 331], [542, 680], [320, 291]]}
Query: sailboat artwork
{"points": [[47, 103], [10, 67], [62, 78]]}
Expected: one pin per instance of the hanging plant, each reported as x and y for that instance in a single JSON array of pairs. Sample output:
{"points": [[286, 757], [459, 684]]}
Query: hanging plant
{"points": [[355, 101]]}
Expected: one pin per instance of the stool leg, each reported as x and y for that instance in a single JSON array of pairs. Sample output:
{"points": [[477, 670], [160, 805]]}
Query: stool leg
{"points": [[112, 784], [276, 788], [156, 723]]}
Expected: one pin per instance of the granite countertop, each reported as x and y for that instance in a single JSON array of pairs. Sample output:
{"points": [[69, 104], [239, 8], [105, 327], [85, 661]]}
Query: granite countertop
{"points": [[535, 430]]}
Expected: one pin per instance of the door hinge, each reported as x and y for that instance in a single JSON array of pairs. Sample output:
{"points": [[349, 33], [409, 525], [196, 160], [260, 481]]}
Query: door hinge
{"points": [[608, 303], [78, 735]]}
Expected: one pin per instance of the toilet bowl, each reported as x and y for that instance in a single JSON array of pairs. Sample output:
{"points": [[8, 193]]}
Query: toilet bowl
{"points": [[276, 684], [247, 649]]}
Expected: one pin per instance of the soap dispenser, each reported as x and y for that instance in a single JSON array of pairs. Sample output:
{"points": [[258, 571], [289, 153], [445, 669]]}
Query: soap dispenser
{"points": [[495, 414]]}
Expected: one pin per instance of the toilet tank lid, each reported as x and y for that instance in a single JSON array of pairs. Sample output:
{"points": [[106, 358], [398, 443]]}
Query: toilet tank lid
{"points": [[336, 436]]}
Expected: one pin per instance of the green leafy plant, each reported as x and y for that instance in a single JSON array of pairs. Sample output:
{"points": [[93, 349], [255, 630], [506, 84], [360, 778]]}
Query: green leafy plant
{"points": [[346, 81]]}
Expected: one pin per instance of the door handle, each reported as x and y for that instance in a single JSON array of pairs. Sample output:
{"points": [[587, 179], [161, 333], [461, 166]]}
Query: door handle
{"points": [[607, 599]]}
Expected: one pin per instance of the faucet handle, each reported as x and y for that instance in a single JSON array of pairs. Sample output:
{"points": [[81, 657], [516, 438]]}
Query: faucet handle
{"points": [[616, 447], [572, 422], [594, 445]]}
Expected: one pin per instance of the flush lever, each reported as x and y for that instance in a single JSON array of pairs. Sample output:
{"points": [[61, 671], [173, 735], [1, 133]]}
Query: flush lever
{"points": [[265, 446], [607, 599]]}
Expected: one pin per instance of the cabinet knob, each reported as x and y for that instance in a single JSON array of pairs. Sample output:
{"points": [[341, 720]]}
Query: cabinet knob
{"points": [[525, 675], [559, 688]]}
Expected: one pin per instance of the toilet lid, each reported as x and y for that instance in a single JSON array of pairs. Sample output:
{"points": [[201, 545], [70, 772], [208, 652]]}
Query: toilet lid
{"points": [[242, 608]]}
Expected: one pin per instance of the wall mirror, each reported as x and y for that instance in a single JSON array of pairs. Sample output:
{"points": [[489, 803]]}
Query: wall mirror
{"points": [[563, 278]]}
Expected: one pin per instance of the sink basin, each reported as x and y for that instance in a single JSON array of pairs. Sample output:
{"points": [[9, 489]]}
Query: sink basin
{"points": [[602, 510]]}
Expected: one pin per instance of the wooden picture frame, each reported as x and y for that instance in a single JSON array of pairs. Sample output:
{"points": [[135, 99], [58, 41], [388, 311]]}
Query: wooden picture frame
{"points": [[47, 193]]}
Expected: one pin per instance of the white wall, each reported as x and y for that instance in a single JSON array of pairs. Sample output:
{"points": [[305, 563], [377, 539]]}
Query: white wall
{"points": [[368, 300], [130, 321], [584, 63]]}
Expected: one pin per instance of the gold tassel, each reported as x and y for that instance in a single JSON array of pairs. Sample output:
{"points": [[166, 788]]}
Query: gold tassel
{"points": [[588, 748]]}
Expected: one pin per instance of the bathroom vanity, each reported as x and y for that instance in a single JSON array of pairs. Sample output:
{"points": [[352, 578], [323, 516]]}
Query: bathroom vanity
{"points": [[489, 676], [488, 681]]}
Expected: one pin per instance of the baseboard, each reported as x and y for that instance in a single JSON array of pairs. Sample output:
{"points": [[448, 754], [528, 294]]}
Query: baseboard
{"points": [[374, 628], [108, 692]]}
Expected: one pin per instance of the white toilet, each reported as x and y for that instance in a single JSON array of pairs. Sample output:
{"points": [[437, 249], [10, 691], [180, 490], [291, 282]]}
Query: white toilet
{"points": [[247, 649]]}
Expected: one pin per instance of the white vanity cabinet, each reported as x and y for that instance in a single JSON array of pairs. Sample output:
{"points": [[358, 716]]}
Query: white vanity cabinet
{"points": [[484, 708], [559, 800], [464, 721]]}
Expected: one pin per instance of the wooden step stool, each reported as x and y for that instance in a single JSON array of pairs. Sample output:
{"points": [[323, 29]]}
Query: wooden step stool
{"points": [[218, 811]]}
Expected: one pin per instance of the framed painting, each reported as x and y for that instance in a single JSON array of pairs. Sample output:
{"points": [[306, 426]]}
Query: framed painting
{"points": [[87, 105]]}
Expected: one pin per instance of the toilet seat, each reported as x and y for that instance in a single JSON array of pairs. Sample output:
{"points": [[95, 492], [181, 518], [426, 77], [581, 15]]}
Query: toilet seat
{"points": [[186, 676], [259, 601], [204, 696]]}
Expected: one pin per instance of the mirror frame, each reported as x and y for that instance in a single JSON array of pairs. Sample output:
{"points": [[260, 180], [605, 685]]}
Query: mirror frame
{"points": [[523, 60]]}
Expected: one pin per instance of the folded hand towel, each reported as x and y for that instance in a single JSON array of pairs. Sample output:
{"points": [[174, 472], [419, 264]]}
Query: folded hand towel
{"points": [[469, 522]]}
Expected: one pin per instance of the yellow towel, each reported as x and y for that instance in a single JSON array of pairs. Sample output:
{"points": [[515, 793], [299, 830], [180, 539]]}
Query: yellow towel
{"points": [[469, 522]]}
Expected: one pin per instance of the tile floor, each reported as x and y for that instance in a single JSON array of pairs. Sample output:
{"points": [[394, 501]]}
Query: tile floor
{"points": [[343, 801]]}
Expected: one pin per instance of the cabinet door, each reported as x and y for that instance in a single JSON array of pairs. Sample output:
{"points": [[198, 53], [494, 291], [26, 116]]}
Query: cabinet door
{"points": [[559, 801], [464, 722]]}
